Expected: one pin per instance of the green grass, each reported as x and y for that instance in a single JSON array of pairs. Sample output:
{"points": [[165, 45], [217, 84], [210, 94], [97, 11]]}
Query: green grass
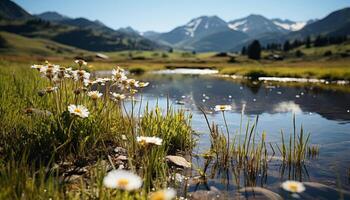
{"points": [[312, 65], [24, 46], [38, 135]]}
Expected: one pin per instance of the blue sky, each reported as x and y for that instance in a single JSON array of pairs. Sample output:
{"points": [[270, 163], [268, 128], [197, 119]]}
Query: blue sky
{"points": [[163, 15]]}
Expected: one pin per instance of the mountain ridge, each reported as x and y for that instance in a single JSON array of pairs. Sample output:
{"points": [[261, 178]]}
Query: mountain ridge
{"points": [[77, 32], [203, 33]]}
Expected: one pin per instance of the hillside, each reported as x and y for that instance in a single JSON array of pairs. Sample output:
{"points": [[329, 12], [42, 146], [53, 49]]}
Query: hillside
{"points": [[11, 11], [80, 32], [338, 20], [13, 44]]}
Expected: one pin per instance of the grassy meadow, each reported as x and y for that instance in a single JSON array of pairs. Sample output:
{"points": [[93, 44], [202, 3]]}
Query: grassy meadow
{"points": [[47, 151], [329, 62]]}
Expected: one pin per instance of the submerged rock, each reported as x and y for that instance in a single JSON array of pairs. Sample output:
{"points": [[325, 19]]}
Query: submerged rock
{"points": [[179, 161], [259, 193]]}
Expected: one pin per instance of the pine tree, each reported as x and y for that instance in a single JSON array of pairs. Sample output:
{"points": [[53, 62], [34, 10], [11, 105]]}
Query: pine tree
{"points": [[308, 42], [254, 50], [286, 46], [244, 50]]}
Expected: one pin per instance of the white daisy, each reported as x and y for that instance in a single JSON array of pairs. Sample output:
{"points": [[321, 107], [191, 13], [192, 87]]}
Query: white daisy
{"points": [[37, 67], [142, 84], [94, 95], [117, 96], [102, 81], [166, 194], [78, 110], [117, 70], [80, 62], [133, 82], [51, 89], [143, 140], [122, 179], [80, 75], [118, 74], [49, 71], [293, 186], [222, 107], [88, 82]]}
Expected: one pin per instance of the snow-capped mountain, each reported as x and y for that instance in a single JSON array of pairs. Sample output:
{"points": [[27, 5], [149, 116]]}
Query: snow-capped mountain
{"points": [[204, 24], [288, 24], [256, 25], [194, 29], [210, 33]]}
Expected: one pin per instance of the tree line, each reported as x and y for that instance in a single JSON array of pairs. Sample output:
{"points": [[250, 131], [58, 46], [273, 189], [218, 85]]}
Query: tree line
{"points": [[253, 50]]}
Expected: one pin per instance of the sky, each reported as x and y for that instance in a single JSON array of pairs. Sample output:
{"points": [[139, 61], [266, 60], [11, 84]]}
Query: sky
{"points": [[164, 15]]}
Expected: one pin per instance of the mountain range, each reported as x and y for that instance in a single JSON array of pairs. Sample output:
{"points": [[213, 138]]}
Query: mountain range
{"points": [[204, 33], [76, 32], [210, 33]]}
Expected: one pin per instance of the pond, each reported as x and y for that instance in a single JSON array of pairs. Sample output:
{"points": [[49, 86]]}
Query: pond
{"points": [[324, 113]]}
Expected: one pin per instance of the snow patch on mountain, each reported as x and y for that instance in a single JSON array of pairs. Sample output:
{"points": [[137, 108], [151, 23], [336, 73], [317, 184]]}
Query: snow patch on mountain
{"points": [[192, 27], [235, 25], [291, 27]]}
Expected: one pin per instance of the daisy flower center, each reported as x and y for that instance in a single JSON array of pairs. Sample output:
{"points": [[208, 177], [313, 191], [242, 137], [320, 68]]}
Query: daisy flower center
{"points": [[123, 182], [158, 196], [143, 142], [77, 110], [293, 187]]}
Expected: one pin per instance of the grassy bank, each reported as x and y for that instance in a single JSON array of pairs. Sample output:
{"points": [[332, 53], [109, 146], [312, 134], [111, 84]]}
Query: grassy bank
{"points": [[49, 150]]}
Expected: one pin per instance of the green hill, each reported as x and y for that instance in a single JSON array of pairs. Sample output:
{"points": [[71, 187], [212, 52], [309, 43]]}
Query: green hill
{"points": [[81, 33], [12, 44], [10, 10]]}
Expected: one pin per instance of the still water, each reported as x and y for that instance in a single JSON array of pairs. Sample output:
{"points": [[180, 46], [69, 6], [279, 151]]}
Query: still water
{"points": [[324, 113]]}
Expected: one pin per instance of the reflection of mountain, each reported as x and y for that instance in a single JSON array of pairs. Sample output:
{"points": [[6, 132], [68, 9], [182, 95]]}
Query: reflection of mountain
{"points": [[208, 91]]}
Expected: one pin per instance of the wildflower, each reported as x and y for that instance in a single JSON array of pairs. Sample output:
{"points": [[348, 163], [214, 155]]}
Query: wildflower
{"points": [[118, 70], [37, 67], [132, 82], [94, 95], [51, 89], [102, 81], [78, 110], [80, 62], [133, 91], [143, 140], [88, 82], [118, 74], [49, 71], [142, 84], [122, 179], [80, 75], [222, 107], [166, 194], [293, 186], [117, 96]]}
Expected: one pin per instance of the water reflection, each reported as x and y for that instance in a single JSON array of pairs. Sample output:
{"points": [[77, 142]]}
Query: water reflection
{"points": [[206, 92], [324, 113]]}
